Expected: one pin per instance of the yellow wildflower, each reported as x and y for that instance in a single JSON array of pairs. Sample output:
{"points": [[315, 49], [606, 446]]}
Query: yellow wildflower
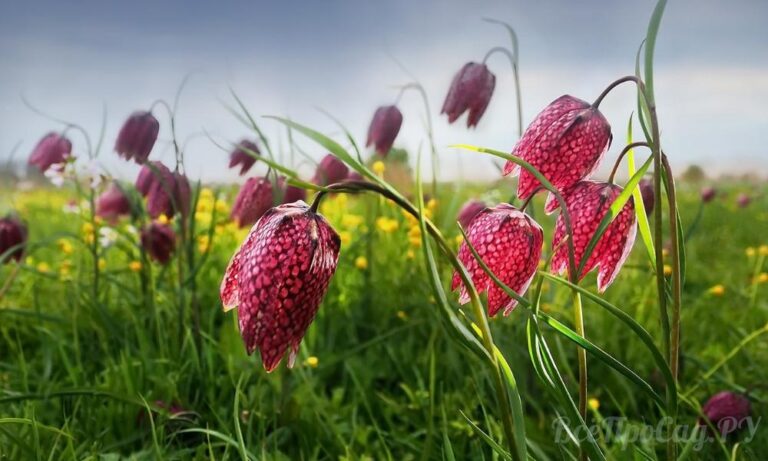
{"points": [[379, 167], [361, 263], [593, 404], [43, 267], [664, 252], [432, 204], [750, 252], [410, 254], [65, 246], [29, 261], [763, 277], [162, 219], [717, 290], [458, 239], [763, 250], [402, 315], [102, 264], [386, 225], [134, 266], [351, 220], [203, 242], [667, 269], [312, 362], [345, 237], [221, 207]]}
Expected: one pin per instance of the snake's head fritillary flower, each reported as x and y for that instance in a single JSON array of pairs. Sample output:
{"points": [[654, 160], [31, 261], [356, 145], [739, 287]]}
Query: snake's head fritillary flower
{"points": [[708, 194], [743, 200], [113, 203], [564, 142], [468, 212], [384, 128], [588, 202], [330, 170], [252, 201], [13, 238], [159, 241], [509, 243], [137, 136], [167, 192], [649, 196], [355, 176], [290, 193], [278, 278], [52, 149], [240, 156], [726, 411], [471, 90]]}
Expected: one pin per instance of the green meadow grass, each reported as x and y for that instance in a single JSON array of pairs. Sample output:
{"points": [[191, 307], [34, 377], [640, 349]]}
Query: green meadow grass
{"points": [[123, 376]]}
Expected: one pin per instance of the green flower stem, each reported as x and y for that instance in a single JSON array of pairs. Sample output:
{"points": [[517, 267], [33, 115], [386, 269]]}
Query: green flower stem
{"points": [[477, 307], [674, 351]]}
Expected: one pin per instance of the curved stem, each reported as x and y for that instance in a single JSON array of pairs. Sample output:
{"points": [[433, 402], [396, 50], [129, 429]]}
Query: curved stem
{"points": [[528, 200], [516, 77], [515, 70], [430, 135], [621, 155], [674, 351], [628, 78]]}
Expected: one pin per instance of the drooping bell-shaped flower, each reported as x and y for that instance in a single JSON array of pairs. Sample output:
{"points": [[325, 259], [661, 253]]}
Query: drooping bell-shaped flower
{"points": [[278, 278], [13, 238], [159, 241], [240, 156], [471, 90], [289, 193], [509, 243], [468, 211], [649, 196], [743, 200], [708, 194], [137, 136], [727, 411], [330, 170], [113, 203], [384, 128], [252, 201], [166, 192], [52, 149], [564, 142], [588, 202]]}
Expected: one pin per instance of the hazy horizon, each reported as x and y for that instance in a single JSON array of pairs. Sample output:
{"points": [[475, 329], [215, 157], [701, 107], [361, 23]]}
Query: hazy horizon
{"points": [[292, 58]]}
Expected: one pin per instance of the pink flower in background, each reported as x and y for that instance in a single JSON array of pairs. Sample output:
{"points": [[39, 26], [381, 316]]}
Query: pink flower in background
{"points": [[384, 128], [471, 90], [289, 193], [159, 241], [726, 411], [113, 203], [588, 202], [13, 238], [743, 200], [252, 201], [468, 211], [52, 149], [330, 170], [509, 243], [564, 142], [137, 136], [708, 194], [241, 157], [166, 192], [278, 278]]}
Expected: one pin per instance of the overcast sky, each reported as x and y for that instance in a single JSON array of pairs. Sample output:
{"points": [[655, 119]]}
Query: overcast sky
{"points": [[292, 57]]}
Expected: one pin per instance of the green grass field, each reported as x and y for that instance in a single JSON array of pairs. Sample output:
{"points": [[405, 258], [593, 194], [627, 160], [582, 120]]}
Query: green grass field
{"points": [[116, 371]]}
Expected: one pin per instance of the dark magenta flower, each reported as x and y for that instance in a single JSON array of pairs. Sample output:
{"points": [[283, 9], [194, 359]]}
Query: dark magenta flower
{"points": [[53, 149], [468, 212], [471, 90], [13, 238], [509, 243], [159, 241], [588, 202], [252, 201], [743, 200], [241, 157], [355, 176], [113, 203], [564, 142], [278, 278], [384, 128], [137, 136], [166, 192], [330, 170], [289, 193], [708, 194], [726, 411], [649, 196]]}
